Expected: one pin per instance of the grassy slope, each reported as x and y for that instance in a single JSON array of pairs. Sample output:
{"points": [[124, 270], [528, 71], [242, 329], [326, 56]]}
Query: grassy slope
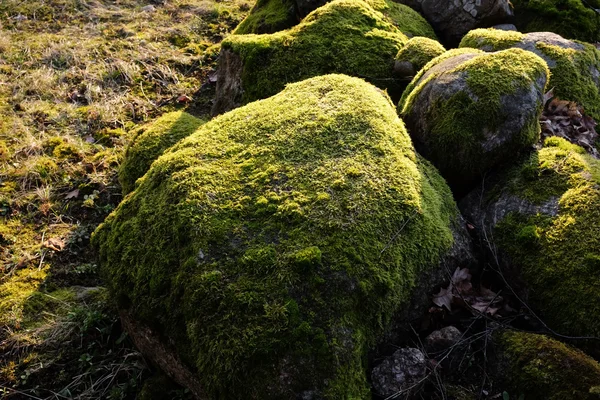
{"points": [[75, 77]]}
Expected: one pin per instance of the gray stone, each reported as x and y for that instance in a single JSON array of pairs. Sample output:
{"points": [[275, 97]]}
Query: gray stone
{"points": [[452, 20], [400, 372], [442, 339]]}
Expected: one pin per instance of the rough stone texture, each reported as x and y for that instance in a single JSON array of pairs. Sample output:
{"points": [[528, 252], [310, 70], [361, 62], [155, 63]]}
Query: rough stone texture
{"points": [[442, 339], [453, 19], [505, 27], [229, 83], [399, 372]]}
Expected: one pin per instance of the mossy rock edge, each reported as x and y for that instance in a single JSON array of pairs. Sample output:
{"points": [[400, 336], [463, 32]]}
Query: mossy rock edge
{"points": [[280, 239], [542, 368], [544, 217]]}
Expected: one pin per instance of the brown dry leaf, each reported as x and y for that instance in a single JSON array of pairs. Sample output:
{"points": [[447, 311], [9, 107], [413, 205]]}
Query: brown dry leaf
{"points": [[568, 120], [462, 280], [55, 244], [444, 298], [72, 194]]}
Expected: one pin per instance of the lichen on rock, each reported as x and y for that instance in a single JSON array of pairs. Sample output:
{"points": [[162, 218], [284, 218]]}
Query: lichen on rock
{"points": [[575, 66], [469, 112], [150, 141], [543, 368], [273, 246], [344, 36]]}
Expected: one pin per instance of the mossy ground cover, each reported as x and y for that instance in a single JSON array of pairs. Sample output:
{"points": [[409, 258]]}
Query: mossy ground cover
{"points": [[344, 36], [269, 238], [418, 51], [559, 257], [76, 78]]}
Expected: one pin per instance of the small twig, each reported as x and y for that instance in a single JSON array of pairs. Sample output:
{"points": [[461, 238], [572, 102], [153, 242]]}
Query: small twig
{"points": [[393, 239]]}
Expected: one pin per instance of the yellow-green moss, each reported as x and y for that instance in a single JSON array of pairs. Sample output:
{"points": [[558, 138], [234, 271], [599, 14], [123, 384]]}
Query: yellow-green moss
{"points": [[281, 237], [268, 16], [419, 51], [491, 39], [437, 60], [344, 36], [459, 123], [569, 18], [150, 141], [573, 77], [543, 368], [559, 257]]}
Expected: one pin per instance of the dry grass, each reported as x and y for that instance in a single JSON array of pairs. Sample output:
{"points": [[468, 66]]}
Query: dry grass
{"points": [[75, 77]]}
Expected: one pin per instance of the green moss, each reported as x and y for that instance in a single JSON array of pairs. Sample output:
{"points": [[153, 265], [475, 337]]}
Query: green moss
{"points": [[407, 20], [569, 18], [4, 151], [561, 269], [573, 77], [419, 51], [491, 39], [543, 368], [66, 151], [44, 167], [460, 122], [268, 16], [344, 36], [150, 141], [437, 60], [252, 247]]}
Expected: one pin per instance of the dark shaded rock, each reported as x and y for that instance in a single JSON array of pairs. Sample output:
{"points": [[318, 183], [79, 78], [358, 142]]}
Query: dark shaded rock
{"points": [[442, 339], [399, 372], [453, 19]]}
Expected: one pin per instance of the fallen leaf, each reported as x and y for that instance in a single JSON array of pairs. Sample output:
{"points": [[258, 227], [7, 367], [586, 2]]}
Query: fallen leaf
{"points": [[55, 244], [444, 298], [72, 194]]}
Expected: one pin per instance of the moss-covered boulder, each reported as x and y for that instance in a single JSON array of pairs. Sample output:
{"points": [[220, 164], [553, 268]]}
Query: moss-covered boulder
{"points": [[270, 16], [344, 36], [544, 216], [274, 245], [542, 368], [469, 112], [150, 141], [573, 19], [453, 19], [575, 66], [417, 52]]}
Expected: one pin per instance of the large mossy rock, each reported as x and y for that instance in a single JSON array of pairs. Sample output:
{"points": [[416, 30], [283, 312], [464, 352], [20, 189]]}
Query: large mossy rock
{"points": [[469, 111], [150, 141], [452, 19], [417, 52], [270, 16], [543, 218], [274, 245], [575, 66], [541, 368], [344, 36], [572, 19]]}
